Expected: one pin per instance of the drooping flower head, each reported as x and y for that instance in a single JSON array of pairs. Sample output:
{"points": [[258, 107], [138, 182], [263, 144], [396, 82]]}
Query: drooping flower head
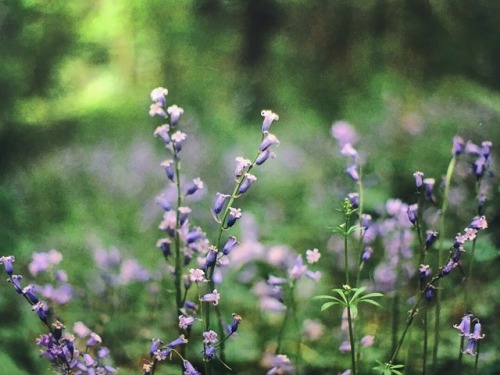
{"points": [[269, 117]]}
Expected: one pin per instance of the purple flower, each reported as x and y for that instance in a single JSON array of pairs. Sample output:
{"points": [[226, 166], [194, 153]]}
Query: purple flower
{"points": [[158, 95], [156, 109], [471, 346], [344, 133], [242, 165], [418, 179], [42, 310], [352, 171], [281, 365], [234, 214], [220, 202], [476, 335], [168, 165], [412, 213], [230, 243], [175, 113], [430, 237], [458, 145], [7, 263], [479, 222], [430, 292], [424, 271], [348, 150], [155, 344], [181, 340], [485, 148], [248, 180], [15, 280], [211, 258], [269, 140], [263, 156], [210, 337], [429, 186], [449, 267], [162, 132], [195, 186], [354, 199], [298, 269], [94, 339], [312, 256], [235, 323], [197, 275], [178, 138], [210, 352], [30, 295], [186, 321], [211, 297], [190, 370], [367, 253], [164, 245], [269, 117]]}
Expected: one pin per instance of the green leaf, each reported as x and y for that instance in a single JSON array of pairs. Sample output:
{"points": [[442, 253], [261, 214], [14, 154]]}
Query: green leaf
{"points": [[328, 305]]}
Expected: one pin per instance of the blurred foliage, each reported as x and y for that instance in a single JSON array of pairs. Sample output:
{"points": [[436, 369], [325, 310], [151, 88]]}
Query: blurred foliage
{"points": [[79, 168]]}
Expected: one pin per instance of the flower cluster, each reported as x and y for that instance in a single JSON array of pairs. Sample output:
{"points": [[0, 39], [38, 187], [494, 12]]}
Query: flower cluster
{"points": [[57, 346], [472, 334]]}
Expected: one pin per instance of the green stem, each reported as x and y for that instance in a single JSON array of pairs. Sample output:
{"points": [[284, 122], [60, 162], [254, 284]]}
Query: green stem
{"points": [[351, 339]]}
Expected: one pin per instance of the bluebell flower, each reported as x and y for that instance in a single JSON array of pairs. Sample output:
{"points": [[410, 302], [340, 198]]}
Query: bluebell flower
{"points": [[458, 145], [178, 138], [449, 267], [471, 347], [155, 344], [183, 214], [366, 220], [164, 245], [430, 237], [158, 95], [281, 366], [7, 263], [429, 186], [181, 340], [344, 133], [190, 305], [94, 339], [169, 167], [175, 113], [242, 165], [210, 337], [479, 166], [418, 179], [298, 269], [162, 131], [186, 321], [485, 149], [234, 214], [263, 156], [367, 253], [353, 199], [269, 117], [457, 253], [211, 297], [30, 295], [211, 258], [476, 334], [413, 213], [195, 186], [15, 280], [479, 222], [348, 150], [228, 246], [424, 271], [220, 202], [156, 109], [249, 179], [42, 310], [235, 323], [210, 352], [57, 329], [195, 235], [430, 292], [352, 171], [268, 141], [190, 370]]}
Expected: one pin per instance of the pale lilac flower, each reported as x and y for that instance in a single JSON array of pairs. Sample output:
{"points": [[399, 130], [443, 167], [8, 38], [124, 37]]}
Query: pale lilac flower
{"points": [[344, 133], [42, 310], [345, 347], [281, 366], [197, 275], [158, 95], [164, 245], [233, 327], [190, 370], [184, 212], [354, 199], [313, 256], [211, 297], [178, 138], [367, 253], [424, 271], [298, 269], [162, 131], [156, 109], [352, 171], [479, 222], [269, 117], [418, 179], [312, 329], [430, 237], [94, 339], [269, 140], [175, 113], [81, 330], [131, 270], [476, 335], [429, 186], [367, 341], [210, 337], [470, 349], [242, 165], [42, 261], [314, 275], [186, 321], [348, 150], [413, 213], [28, 292], [458, 145], [228, 246], [169, 167]]}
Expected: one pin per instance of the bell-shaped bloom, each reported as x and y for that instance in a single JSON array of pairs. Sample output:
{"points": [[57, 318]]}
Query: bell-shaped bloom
{"points": [[211, 258], [186, 321], [429, 186], [162, 131], [349, 150], [269, 117], [178, 139], [196, 185], [16, 283], [413, 213], [220, 202], [234, 215], [175, 113], [42, 310], [213, 297], [248, 180], [7, 263], [471, 347], [458, 145], [430, 237], [190, 370], [298, 269], [424, 271], [464, 326], [155, 344], [344, 133], [419, 179], [479, 222], [352, 171], [169, 167], [268, 141], [263, 156], [233, 327], [228, 246], [476, 334], [181, 340], [156, 109], [29, 294], [242, 165], [367, 253], [430, 292], [158, 95], [353, 199]]}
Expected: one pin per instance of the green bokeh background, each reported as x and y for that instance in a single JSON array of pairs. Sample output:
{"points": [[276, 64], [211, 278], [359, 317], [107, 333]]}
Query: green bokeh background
{"points": [[79, 168]]}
